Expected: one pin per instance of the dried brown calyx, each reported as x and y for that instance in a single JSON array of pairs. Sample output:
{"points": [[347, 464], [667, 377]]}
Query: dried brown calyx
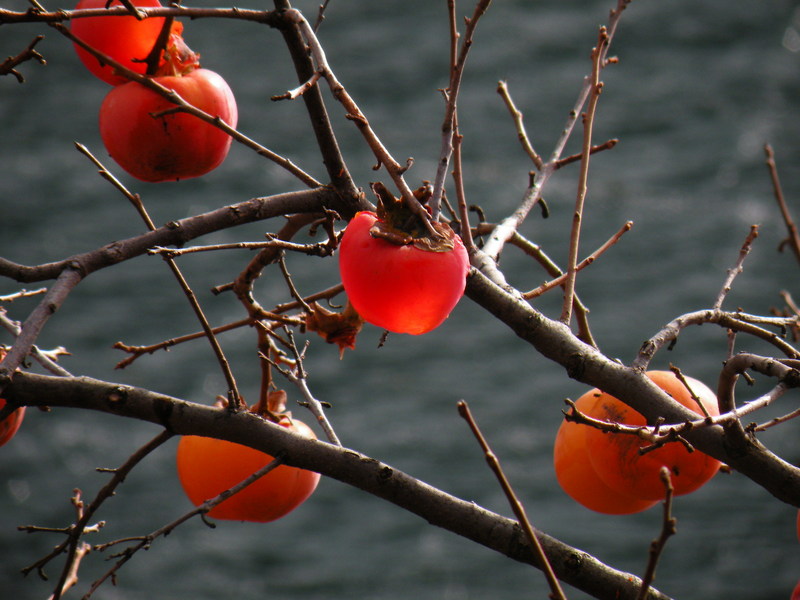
{"points": [[400, 225]]}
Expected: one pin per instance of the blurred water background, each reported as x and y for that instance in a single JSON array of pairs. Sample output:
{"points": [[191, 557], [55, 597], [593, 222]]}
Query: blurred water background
{"points": [[700, 87]]}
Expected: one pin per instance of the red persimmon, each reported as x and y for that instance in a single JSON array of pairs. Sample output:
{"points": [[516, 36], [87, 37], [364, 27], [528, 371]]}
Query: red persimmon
{"points": [[208, 467], [127, 39], [150, 140], [400, 287], [617, 459], [10, 425]]}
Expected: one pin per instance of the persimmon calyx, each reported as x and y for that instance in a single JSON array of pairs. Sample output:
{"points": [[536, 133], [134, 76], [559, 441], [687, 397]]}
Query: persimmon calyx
{"points": [[444, 243], [178, 59], [399, 225], [272, 408]]}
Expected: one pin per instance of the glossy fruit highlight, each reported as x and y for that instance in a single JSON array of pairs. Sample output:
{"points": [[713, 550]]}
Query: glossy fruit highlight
{"points": [[207, 467], [400, 287]]}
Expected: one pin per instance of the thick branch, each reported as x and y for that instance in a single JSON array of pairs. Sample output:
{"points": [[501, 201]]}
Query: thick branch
{"points": [[352, 198], [467, 519], [586, 364], [177, 233]]}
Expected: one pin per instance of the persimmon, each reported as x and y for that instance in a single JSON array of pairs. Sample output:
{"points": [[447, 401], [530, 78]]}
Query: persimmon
{"points": [[617, 459], [10, 425], [152, 140], [208, 467], [403, 287], [577, 476], [126, 39]]}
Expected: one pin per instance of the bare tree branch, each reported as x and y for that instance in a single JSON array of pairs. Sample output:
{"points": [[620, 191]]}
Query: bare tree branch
{"points": [[462, 517]]}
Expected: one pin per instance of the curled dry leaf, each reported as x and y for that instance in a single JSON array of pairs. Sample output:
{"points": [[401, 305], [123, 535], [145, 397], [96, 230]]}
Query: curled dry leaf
{"points": [[339, 328]]}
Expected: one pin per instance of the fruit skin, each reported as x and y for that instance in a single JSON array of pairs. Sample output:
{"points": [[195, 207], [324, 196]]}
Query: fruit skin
{"points": [[401, 288], [798, 525], [577, 476], [173, 146], [616, 457], [207, 467], [125, 39], [10, 425]]}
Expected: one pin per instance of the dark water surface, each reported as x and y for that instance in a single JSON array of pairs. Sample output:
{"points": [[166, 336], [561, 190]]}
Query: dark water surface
{"points": [[700, 87]]}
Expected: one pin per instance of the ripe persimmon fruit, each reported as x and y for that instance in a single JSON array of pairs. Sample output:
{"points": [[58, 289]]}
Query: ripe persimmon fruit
{"points": [[617, 458], [208, 466], [609, 473], [577, 476]]}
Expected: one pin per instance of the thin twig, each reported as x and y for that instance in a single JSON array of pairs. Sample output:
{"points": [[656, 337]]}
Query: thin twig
{"points": [[45, 358], [737, 268], [794, 238], [607, 145], [517, 116], [580, 266], [147, 540], [21, 294], [494, 245], [72, 543], [667, 530], [321, 15], [7, 67], [355, 115], [516, 505], [274, 315], [777, 421], [321, 249], [656, 436], [40, 15], [448, 124], [299, 377], [234, 397], [463, 211], [734, 321], [598, 54], [290, 284]]}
